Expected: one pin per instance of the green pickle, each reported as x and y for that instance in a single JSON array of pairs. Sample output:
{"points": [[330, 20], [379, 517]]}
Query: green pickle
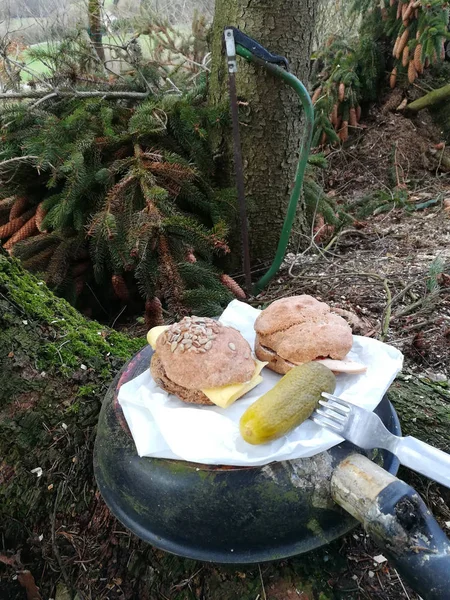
{"points": [[288, 404]]}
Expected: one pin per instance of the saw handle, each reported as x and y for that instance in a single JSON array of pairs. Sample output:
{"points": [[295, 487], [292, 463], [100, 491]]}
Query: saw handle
{"points": [[256, 49], [397, 519]]}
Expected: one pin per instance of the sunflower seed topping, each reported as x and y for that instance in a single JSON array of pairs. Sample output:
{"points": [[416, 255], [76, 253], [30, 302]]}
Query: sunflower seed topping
{"points": [[193, 334]]}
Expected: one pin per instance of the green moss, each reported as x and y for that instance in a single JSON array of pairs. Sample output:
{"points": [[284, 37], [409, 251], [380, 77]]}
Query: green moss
{"points": [[56, 367], [77, 341]]}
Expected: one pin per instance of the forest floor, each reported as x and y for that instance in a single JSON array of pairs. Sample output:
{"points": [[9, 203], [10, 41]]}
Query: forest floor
{"points": [[391, 273]]}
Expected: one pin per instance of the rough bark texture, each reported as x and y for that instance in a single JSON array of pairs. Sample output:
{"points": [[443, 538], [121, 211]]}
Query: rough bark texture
{"points": [[430, 99], [271, 122], [95, 27]]}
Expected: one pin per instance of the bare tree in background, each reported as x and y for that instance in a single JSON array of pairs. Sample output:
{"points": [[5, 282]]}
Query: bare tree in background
{"points": [[95, 27]]}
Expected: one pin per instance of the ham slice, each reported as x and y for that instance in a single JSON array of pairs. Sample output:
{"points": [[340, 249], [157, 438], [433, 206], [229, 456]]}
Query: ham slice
{"points": [[343, 366]]}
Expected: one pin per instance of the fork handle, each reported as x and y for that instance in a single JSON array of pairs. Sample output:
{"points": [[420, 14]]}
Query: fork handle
{"points": [[424, 459]]}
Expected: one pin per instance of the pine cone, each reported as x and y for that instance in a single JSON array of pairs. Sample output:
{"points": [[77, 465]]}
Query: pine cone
{"points": [[399, 9], [418, 58], [358, 113], [18, 208], [412, 73], [234, 287], [120, 288], [343, 133], [24, 232], [153, 313], [323, 139], [393, 78], [402, 43], [79, 286], [395, 48], [353, 121], [316, 95], [80, 268], [12, 226], [170, 281], [405, 57], [334, 115], [408, 12], [39, 261], [341, 92], [442, 51], [392, 2], [40, 215]]}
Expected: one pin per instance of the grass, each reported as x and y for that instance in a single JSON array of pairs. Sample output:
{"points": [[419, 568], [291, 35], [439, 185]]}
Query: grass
{"points": [[147, 44]]}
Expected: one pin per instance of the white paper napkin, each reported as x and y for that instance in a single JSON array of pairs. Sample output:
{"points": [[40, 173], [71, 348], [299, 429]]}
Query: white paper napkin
{"points": [[163, 426]]}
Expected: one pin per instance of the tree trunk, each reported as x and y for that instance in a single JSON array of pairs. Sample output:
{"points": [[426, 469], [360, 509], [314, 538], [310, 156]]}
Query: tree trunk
{"points": [[430, 99], [271, 122], [95, 27]]}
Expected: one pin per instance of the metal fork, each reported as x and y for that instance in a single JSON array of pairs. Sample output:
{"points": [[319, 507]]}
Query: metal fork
{"points": [[366, 430]]}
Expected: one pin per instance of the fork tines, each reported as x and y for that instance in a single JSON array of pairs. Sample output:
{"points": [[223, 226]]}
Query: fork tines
{"points": [[334, 413]]}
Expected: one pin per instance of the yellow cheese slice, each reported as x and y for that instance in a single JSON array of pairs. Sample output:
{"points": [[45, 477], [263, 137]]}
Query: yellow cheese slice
{"points": [[154, 334], [226, 395]]}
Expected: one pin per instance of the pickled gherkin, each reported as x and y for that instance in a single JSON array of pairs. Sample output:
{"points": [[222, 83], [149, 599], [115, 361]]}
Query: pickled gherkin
{"points": [[290, 402]]}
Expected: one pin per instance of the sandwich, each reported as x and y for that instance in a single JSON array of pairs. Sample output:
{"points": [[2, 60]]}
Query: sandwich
{"points": [[202, 361], [296, 330]]}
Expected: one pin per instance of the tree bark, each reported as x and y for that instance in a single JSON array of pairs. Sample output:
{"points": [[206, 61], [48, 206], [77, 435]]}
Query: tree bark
{"points": [[430, 99], [95, 27], [271, 119]]}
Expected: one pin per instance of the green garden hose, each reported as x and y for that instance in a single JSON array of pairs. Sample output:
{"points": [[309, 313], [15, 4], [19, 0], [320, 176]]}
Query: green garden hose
{"points": [[305, 147]]}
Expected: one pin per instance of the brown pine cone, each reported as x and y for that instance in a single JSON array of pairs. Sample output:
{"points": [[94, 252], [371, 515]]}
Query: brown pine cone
{"points": [[11, 227], [358, 113], [79, 285], [402, 43], [153, 313], [40, 215], [18, 208], [341, 92], [23, 233], [412, 73], [120, 288], [405, 57], [316, 95], [394, 49], [334, 115], [80, 268], [418, 58], [408, 12], [234, 287], [393, 78], [353, 121], [343, 133]]}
